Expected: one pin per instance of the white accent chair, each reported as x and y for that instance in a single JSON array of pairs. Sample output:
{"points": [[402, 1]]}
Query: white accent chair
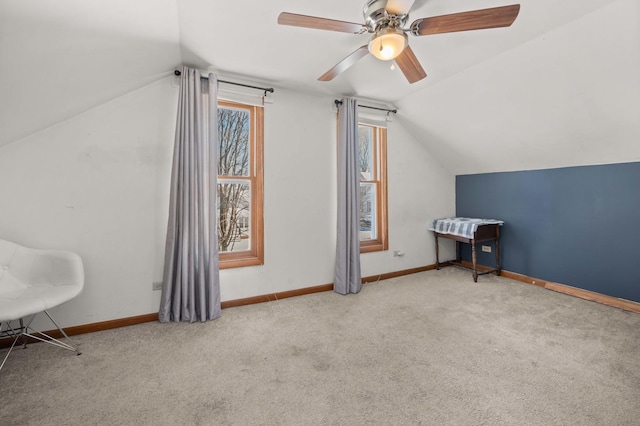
{"points": [[33, 281]]}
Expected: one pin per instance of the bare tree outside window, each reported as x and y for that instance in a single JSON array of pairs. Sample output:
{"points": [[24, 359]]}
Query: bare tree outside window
{"points": [[367, 188], [234, 192], [365, 136]]}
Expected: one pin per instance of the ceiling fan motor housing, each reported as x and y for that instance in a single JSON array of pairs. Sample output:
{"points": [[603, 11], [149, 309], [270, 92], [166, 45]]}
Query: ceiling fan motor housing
{"points": [[377, 17]]}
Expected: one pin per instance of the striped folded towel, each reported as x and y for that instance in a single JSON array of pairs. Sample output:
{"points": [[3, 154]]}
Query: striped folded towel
{"points": [[461, 226]]}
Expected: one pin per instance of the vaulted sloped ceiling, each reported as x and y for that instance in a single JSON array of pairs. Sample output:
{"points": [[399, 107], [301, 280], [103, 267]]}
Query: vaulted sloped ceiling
{"points": [[61, 58], [568, 97], [560, 87]]}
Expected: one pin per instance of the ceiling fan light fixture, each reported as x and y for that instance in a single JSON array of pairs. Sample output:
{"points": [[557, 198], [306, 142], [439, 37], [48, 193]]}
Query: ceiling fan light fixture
{"points": [[388, 43]]}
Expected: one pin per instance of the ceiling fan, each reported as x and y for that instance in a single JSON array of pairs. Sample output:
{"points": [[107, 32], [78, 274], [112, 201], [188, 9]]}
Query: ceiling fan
{"points": [[386, 19]]}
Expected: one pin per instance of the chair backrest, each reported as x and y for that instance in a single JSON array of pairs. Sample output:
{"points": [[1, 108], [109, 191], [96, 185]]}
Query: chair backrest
{"points": [[25, 267], [7, 250], [8, 282]]}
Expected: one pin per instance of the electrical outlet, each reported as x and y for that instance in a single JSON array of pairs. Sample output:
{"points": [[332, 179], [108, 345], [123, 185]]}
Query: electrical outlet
{"points": [[398, 253], [486, 249], [157, 285]]}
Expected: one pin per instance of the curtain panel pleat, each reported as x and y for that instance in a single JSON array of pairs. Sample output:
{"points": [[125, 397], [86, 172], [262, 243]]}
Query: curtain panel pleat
{"points": [[347, 274], [191, 279]]}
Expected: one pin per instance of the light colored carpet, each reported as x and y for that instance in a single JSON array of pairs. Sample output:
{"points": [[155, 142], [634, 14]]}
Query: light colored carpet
{"points": [[425, 349]]}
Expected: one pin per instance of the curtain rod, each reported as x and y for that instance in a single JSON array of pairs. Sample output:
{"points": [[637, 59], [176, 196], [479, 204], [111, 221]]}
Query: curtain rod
{"points": [[266, 89], [395, 111]]}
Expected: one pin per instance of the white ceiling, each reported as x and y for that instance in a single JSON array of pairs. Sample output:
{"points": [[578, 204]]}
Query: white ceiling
{"points": [[212, 36], [560, 87]]}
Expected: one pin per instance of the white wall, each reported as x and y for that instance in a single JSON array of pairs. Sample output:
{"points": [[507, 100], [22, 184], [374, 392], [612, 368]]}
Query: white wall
{"points": [[95, 184], [300, 170], [98, 184], [299, 185], [419, 189]]}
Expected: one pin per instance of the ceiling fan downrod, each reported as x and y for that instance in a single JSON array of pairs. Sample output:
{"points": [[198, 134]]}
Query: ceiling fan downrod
{"points": [[377, 17]]}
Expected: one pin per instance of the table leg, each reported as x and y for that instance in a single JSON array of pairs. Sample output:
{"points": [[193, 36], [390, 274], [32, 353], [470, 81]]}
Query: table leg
{"points": [[497, 250], [437, 253], [473, 258]]}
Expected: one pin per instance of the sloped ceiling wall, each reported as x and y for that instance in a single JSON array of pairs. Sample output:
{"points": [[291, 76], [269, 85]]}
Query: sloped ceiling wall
{"points": [[59, 59], [570, 96]]}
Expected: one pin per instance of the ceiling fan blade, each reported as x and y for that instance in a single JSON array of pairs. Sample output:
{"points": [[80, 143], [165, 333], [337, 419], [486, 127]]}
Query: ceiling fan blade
{"points": [[305, 21], [346, 63], [399, 7], [410, 66], [495, 17]]}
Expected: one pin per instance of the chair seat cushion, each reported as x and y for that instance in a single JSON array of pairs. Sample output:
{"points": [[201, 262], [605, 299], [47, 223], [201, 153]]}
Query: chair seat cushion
{"points": [[16, 304]]}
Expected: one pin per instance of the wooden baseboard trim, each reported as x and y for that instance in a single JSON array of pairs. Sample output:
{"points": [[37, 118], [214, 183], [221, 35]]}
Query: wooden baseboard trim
{"points": [[89, 328], [317, 289], [626, 305], [592, 296], [107, 325], [140, 319], [389, 275], [276, 296], [615, 302]]}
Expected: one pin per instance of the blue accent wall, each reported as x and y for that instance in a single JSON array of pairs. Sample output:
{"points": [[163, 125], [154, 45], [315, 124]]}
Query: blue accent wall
{"points": [[578, 226]]}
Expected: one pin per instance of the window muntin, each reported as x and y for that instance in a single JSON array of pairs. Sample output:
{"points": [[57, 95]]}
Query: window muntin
{"points": [[239, 192]]}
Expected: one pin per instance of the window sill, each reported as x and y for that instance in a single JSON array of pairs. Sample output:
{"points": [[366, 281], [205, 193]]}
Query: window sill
{"points": [[238, 260], [373, 245]]}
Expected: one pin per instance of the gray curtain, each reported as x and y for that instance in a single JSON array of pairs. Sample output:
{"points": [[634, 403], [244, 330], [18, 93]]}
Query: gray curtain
{"points": [[347, 276], [191, 281]]}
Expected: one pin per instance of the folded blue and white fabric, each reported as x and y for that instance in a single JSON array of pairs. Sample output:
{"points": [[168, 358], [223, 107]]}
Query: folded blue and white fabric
{"points": [[460, 226]]}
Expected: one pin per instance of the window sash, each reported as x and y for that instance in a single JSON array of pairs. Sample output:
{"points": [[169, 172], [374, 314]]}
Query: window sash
{"points": [[254, 254], [235, 235], [368, 222], [378, 239]]}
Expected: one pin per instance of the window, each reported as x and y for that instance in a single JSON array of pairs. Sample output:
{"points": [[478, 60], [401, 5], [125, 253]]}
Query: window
{"points": [[373, 188], [240, 220]]}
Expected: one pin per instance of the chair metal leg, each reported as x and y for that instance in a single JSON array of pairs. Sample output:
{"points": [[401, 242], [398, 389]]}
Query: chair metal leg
{"points": [[8, 353], [11, 333], [24, 339], [69, 346], [25, 331]]}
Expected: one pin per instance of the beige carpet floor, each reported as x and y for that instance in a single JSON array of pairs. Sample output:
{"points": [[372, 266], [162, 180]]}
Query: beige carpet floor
{"points": [[432, 348]]}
